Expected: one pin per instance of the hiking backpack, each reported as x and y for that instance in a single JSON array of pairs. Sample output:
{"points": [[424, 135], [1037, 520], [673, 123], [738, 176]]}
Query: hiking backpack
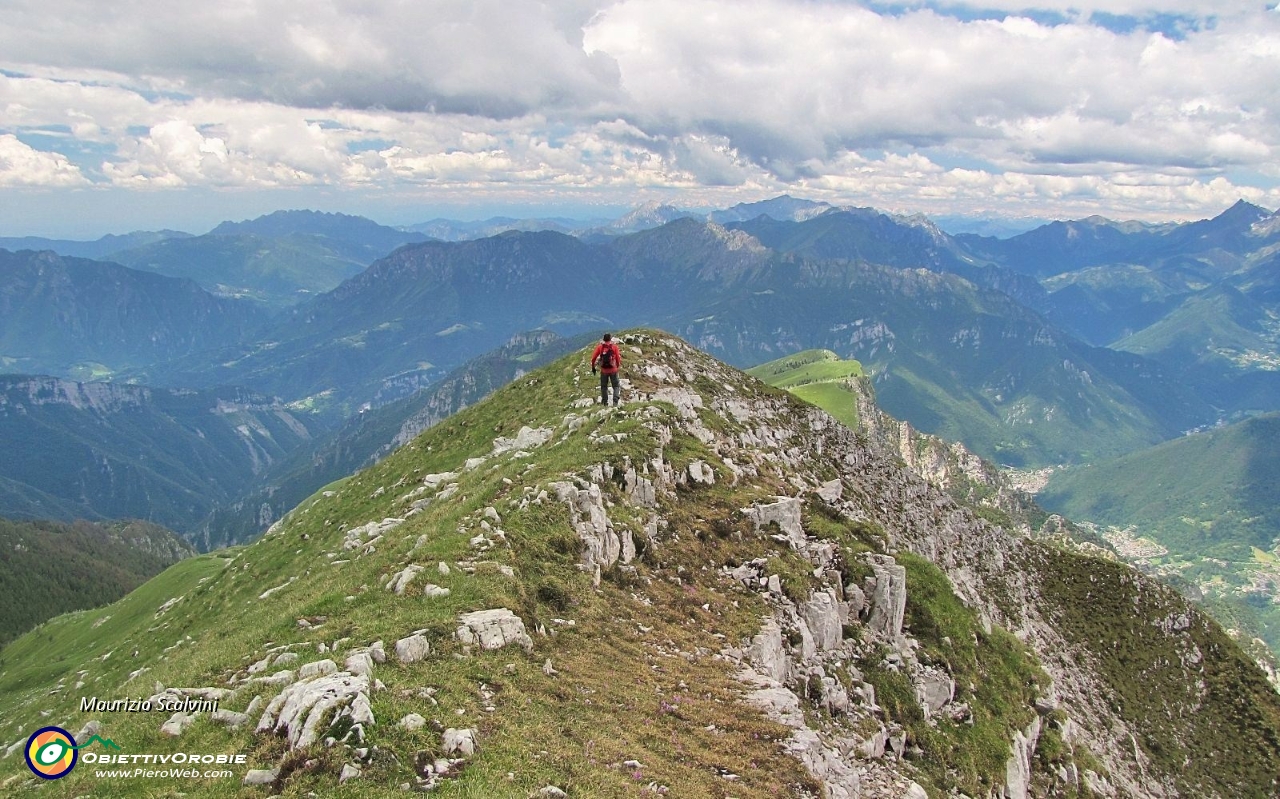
{"points": [[606, 358]]}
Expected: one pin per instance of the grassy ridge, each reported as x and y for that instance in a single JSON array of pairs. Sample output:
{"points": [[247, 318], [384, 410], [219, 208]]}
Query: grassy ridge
{"points": [[817, 377], [630, 669]]}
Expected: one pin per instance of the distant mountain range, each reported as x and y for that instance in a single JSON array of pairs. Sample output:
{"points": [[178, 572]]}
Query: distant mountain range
{"points": [[75, 317], [1074, 342], [114, 451]]}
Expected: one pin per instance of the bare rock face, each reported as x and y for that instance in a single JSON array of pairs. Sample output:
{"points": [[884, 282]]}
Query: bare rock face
{"points": [[767, 653], [1018, 769], [934, 690], [785, 513], [889, 601], [602, 547], [493, 629], [701, 473], [822, 616]]}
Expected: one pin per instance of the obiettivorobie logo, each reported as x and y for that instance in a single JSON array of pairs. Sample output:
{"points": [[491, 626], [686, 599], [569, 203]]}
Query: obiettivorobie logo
{"points": [[52, 752]]}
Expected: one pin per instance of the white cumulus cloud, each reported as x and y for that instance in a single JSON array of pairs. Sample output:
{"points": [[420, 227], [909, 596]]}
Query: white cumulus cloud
{"points": [[22, 165]]}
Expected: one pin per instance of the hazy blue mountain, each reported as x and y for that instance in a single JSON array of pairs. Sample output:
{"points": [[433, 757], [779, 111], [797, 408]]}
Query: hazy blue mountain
{"points": [[277, 272], [279, 259], [990, 227], [868, 236], [359, 239], [111, 451], [409, 318], [455, 230], [100, 248], [1103, 304], [782, 208], [650, 215], [1068, 246], [80, 318], [50, 567]]}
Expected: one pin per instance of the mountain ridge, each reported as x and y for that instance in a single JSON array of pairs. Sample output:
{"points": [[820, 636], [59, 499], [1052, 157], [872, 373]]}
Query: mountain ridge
{"points": [[713, 578]]}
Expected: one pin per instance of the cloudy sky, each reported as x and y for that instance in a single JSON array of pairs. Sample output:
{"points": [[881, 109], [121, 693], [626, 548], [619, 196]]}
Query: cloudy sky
{"points": [[151, 113]]}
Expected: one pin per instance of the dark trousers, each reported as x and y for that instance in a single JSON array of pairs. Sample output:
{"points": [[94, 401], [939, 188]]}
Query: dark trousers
{"points": [[605, 380]]}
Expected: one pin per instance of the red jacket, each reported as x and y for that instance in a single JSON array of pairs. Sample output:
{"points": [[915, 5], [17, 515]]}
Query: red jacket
{"points": [[617, 357]]}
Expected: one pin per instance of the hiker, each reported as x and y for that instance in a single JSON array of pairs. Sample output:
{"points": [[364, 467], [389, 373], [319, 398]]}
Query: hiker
{"points": [[607, 357]]}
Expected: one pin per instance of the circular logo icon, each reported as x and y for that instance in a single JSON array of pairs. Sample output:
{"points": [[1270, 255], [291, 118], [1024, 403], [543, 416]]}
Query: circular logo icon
{"points": [[51, 753]]}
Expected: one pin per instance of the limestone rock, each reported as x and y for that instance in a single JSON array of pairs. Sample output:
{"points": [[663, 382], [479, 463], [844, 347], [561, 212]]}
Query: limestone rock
{"points": [[412, 722], [317, 669], [602, 547], [701, 474], [358, 663], [528, 438], [1018, 767], [831, 491], [349, 772], [90, 729], [493, 629], [229, 718], [821, 615], [460, 742], [299, 709], [767, 653], [260, 776], [401, 579], [785, 513], [361, 712], [934, 690], [178, 723], [889, 602], [412, 649]]}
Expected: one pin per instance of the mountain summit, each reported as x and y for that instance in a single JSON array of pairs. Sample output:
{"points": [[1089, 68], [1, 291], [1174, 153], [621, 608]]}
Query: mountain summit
{"points": [[714, 589]]}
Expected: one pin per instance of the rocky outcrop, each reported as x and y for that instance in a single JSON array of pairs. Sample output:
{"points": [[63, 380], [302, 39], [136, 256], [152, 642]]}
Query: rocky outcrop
{"points": [[493, 629], [299, 709]]}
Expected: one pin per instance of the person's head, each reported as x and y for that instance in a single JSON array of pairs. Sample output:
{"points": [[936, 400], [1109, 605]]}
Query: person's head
{"points": [[608, 337]]}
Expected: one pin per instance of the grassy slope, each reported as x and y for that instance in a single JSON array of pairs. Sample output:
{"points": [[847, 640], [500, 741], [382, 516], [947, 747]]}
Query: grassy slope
{"points": [[48, 568], [1215, 493], [1212, 499], [817, 377]]}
